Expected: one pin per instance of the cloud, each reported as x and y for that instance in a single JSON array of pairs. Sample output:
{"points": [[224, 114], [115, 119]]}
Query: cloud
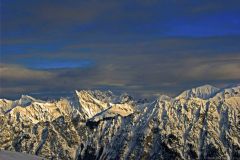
{"points": [[163, 47], [53, 21], [140, 46], [166, 65], [209, 68], [218, 68], [17, 79], [138, 74], [19, 73]]}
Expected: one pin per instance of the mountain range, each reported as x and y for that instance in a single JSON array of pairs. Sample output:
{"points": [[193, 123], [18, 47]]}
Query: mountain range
{"points": [[200, 123]]}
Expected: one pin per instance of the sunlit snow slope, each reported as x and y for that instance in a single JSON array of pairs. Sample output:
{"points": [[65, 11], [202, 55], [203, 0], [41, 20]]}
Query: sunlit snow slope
{"points": [[200, 123]]}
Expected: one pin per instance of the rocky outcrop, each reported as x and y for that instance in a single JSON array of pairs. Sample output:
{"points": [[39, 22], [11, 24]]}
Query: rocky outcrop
{"points": [[201, 123]]}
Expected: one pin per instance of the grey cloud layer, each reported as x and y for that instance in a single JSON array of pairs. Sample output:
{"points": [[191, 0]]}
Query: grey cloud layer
{"points": [[164, 65], [146, 74], [47, 21]]}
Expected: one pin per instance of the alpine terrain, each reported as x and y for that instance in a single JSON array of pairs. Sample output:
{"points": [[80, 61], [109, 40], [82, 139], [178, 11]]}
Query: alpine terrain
{"points": [[200, 123]]}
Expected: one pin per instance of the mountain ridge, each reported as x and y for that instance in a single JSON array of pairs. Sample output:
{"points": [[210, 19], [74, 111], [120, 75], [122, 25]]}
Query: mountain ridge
{"points": [[100, 125]]}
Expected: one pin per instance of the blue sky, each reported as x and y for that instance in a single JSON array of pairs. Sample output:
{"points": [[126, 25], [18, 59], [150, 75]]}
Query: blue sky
{"points": [[142, 47]]}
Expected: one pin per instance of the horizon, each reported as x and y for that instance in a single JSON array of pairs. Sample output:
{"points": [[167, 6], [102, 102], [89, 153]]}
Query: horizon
{"points": [[139, 47], [58, 95]]}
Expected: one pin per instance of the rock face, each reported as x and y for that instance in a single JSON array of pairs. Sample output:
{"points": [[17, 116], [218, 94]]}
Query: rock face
{"points": [[201, 123]]}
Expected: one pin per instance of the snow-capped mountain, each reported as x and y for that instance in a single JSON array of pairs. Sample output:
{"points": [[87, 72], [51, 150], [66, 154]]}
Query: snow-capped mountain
{"points": [[200, 123], [204, 92]]}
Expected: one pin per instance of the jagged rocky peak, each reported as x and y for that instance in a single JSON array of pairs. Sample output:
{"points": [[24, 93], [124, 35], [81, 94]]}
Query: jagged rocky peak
{"points": [[26, 100], [104, 96], [101, 105], [229, 92], [42, 112], [203, 92], [201, 123], [33, 110], [164, 98], [125, 98], [107, 96], [89, 104]]}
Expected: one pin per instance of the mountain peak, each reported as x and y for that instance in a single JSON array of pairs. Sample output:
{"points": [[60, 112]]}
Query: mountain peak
{"points": [[26, 100], [100, 128], [203, 92]]}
